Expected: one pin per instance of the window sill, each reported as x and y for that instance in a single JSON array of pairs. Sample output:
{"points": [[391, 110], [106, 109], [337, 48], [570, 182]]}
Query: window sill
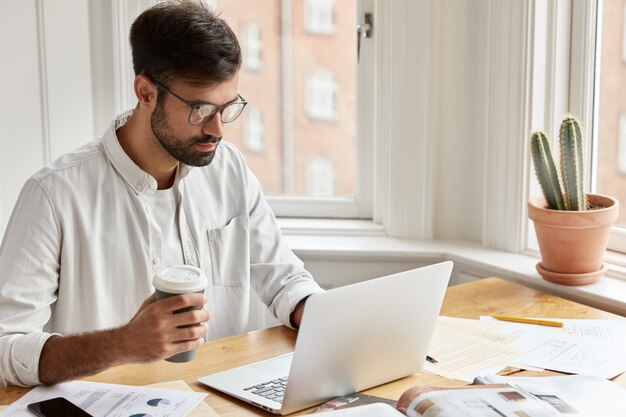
{"points": [[354, 240]]}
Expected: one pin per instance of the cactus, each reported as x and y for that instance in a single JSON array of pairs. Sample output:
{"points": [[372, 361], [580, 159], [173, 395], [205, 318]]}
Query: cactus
{"points": [[570, 139], [546, 171], [572, 175]]}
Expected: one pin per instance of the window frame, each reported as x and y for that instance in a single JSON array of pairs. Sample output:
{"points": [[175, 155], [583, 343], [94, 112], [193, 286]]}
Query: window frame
{"points": [[359, 206], [584, 99]]}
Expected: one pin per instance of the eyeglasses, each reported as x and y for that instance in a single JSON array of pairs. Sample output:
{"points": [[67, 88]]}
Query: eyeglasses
{"points": [[202, 113]]}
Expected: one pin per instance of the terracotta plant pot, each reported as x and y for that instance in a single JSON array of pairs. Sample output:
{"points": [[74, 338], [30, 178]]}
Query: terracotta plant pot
{"points": [[573, 243]]}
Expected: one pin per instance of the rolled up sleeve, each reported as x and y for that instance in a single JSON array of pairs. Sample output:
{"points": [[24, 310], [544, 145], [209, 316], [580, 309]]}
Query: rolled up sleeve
{"points": [[278, 276], [29, 261]]}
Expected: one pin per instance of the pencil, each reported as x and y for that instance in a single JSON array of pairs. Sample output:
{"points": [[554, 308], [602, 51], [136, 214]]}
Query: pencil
{"points": [[431, 359], [530, 321]]}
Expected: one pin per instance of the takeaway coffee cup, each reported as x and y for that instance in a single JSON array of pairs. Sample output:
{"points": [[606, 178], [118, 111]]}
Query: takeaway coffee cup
{"points": [[175, 280]]}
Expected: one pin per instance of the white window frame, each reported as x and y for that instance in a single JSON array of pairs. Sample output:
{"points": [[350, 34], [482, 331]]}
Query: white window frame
{"points": [[395, 128], [584, 87], [361, 205]]}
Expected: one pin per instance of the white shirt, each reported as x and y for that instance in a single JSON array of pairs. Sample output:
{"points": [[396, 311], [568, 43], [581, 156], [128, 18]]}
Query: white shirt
{"points": [[80, 249], [165, 213]]}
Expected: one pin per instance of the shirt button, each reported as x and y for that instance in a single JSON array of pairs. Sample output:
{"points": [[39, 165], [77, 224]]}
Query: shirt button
{"points": [[138, 186], [156, 260], [148, 209]]}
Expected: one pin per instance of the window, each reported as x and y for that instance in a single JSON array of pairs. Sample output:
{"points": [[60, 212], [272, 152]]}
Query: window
{"points": [[320, 95], [319, 16], [621, 153], [624, 36], [253, 130], [320, 177], [251, 47], [610, 140], [306, 94]]}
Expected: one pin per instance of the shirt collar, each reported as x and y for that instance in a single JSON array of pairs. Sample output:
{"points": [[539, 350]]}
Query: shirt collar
{"points": [[136, 178]]}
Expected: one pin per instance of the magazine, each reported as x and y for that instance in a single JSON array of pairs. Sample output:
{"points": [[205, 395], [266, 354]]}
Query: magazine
{"points": [[561, 396]]}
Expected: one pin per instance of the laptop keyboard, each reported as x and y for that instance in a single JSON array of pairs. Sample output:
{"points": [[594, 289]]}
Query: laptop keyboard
{"points": [[272, 390]]}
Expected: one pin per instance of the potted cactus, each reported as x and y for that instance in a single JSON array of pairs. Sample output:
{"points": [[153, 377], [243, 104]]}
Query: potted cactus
{"points": [[572, 227]]}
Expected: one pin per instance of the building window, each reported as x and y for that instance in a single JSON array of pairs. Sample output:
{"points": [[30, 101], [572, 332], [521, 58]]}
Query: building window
{"points": [[253, 130], [319, 16], [252, 47], [320, 177], [624, 36], [320, 95], [621, 149]]}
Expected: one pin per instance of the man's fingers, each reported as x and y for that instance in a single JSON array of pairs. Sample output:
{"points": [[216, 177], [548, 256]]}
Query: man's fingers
{"points": [[187, 345], [181, 301], [188, 333], [190, 317]]}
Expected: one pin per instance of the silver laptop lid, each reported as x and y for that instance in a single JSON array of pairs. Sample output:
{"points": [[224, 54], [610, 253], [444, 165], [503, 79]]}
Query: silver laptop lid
{"points": [[366, 334]]}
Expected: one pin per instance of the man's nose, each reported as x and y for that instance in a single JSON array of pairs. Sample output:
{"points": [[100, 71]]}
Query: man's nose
{"points": [[214, 127]]}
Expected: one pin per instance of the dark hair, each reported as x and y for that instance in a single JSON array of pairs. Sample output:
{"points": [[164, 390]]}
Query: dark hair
{"points": [[184, 39]]}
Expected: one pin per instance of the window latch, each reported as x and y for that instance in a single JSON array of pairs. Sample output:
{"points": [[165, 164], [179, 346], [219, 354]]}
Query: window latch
{"points": [[363, 30]]}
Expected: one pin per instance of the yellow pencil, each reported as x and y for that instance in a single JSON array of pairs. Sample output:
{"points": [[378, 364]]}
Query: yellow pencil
{"points": [[530, 321]]}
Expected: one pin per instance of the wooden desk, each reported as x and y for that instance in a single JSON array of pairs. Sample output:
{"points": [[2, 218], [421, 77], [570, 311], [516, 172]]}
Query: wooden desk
{"points": [[485, 297]]}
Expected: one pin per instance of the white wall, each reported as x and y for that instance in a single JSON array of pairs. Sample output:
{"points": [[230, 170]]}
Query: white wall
{"points": [[21, 121], [46, 105]]}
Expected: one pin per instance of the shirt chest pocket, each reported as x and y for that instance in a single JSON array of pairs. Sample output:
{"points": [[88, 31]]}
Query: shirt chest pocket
{"points": [[229, 249]]}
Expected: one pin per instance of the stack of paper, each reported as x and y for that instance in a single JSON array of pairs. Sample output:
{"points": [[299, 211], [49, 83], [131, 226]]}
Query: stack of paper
{"points": [[465, 349], [581, 346]]}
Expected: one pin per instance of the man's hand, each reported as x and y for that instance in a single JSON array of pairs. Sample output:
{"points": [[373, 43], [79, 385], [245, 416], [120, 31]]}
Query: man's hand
{"points": [[153, 333], [156, 333]]}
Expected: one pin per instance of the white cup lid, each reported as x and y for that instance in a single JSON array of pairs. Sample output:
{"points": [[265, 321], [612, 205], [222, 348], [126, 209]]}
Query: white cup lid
{"points": [[179, 279]]}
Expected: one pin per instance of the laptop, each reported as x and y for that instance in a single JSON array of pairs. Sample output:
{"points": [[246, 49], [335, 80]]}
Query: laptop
{"points": [[351, 338]]}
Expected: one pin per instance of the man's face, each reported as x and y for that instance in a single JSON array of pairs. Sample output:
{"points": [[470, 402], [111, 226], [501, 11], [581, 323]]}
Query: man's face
{"points": [[187, 143]]}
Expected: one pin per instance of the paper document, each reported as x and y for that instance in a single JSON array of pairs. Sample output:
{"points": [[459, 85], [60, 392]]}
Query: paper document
{"points": [[610, 331], [201, 410], [575, 395], [587, 347], [111, 400], [463, 349]]}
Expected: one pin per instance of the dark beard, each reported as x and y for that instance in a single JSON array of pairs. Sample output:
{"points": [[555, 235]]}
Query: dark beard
{"points": [[182, 151]]}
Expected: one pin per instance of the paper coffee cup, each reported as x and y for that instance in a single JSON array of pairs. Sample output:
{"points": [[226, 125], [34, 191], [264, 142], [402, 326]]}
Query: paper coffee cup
{"points": [[174, 280]]}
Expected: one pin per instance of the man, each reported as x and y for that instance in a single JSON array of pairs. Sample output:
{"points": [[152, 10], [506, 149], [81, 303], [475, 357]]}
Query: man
{"points": [[88, 232]]}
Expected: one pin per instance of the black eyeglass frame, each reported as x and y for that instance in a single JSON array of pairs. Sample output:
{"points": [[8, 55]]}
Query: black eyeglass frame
{"points": [[194, 106]]}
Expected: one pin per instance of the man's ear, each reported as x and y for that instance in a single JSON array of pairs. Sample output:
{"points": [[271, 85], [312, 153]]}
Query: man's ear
{"points": [[145, 91]]}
